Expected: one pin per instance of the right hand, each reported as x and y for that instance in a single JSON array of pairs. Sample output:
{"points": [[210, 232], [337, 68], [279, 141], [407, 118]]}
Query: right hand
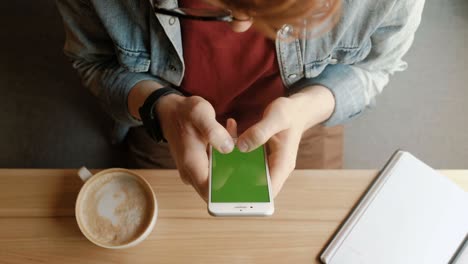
{"points": [[189, 125]]}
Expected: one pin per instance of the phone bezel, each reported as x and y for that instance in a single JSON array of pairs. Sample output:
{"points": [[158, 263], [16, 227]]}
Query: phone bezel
{"points": [[241, 209]]}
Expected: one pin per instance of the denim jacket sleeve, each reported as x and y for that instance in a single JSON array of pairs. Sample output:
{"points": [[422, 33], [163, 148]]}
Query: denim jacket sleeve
{"points": [[92, 53], [355, 86]]}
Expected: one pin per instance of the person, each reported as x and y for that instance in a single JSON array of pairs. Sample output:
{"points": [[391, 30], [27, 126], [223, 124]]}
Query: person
{"points": [[286, 73]]}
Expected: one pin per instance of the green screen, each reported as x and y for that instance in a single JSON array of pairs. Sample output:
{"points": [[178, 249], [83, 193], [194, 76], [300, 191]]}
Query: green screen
{"points": [[239, 177]]}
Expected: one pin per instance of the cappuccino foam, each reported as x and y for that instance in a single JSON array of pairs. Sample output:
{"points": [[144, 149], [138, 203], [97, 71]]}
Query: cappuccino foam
{"points": [[116, 209]]}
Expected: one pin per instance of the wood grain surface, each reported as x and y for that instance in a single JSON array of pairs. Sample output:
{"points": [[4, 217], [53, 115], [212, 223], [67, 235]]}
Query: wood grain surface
{"points": [[37, 223]]}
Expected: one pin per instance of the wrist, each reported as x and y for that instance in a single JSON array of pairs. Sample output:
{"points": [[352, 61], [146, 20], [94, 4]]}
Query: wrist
{"points": [[168, 105], [149, 115], [314, 105], [138, 94]]}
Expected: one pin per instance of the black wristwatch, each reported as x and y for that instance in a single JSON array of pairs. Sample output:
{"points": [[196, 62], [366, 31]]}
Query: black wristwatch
{"points": [[148, 115]]}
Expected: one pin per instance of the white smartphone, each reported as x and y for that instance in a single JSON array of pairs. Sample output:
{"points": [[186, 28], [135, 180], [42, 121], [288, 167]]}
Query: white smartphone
{"points": [[239, 184]]}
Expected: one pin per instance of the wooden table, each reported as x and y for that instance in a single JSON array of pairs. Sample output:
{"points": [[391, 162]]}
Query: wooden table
{"points": [[37, 223]]}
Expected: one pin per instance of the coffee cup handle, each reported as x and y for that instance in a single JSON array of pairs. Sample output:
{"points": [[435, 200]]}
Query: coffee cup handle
{"points": [[84, 174]]}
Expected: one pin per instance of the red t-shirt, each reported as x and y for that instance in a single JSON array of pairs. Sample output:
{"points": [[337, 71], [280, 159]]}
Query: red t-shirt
{"points": [[236, 72]]}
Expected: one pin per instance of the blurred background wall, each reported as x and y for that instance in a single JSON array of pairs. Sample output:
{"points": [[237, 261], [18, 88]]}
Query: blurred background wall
{"points": [[423, 110], [47, 118]]}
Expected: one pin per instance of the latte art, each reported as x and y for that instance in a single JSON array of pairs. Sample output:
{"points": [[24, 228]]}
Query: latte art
{"points": [[116, 209]]}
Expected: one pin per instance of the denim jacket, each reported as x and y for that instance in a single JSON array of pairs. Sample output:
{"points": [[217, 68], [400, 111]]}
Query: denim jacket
{"points": [[116, 44]]}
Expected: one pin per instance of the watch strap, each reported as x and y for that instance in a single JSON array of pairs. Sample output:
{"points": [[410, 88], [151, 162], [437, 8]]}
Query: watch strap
{"points": [[148, 115]]}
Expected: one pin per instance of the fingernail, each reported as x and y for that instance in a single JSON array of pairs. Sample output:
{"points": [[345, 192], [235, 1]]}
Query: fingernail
{"points": [[227, 146], [243, 147]]}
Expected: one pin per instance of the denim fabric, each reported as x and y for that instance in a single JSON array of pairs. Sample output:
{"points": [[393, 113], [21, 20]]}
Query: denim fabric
{"points": [[115, 44]]}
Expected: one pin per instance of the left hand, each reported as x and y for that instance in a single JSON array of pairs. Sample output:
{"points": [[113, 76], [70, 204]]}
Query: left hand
{"points": [[281, 127]]}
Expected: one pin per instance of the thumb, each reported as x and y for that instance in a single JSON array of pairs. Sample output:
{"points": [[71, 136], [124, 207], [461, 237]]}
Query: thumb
{"points": [[271, 124], [203, 118]]}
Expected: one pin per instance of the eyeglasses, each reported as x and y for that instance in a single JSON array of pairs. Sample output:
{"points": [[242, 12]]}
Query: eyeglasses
{"points": [[206, 14]]}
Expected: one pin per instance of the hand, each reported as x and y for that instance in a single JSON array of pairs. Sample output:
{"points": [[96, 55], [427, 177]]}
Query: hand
{"points": [[281, 127], [189, 125]]}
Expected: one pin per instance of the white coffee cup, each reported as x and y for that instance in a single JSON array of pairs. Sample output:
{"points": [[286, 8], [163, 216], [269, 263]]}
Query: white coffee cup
{"points": [[109, 203]]}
